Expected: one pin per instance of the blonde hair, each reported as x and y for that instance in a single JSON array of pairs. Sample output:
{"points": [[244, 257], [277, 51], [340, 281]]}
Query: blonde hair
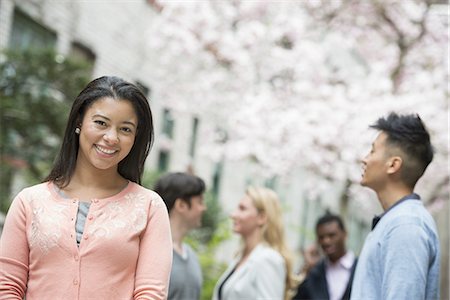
{"points": [[267, 203]]}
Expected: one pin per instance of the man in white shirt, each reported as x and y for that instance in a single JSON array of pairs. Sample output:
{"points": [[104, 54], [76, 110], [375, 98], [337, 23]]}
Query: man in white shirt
{"points": [[331, 278]]}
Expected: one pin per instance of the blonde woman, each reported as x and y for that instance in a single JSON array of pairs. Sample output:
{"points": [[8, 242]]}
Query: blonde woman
{"points": [[263, 267]]}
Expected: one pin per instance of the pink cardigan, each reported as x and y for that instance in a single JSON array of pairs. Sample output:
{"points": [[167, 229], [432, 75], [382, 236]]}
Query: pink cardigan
{"points": [[125, 252]]}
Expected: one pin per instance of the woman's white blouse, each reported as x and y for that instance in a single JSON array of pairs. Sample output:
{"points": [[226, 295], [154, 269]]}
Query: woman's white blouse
{"points": [[262, 276]]}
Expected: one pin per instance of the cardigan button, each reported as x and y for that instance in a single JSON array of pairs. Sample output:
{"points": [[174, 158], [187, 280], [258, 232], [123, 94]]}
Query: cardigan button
{"points": [[75, 281]]}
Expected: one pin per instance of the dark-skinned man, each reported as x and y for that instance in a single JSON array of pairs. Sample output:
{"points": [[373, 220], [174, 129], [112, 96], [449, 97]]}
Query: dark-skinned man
{"points": [[331, 277]]}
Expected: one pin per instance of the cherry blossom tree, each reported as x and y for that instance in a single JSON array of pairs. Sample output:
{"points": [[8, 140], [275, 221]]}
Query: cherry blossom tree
{"points": [[296, 84]]}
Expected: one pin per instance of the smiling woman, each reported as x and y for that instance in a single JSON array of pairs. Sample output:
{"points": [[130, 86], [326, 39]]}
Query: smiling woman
{"points": [[107, 134], [82, 233]]}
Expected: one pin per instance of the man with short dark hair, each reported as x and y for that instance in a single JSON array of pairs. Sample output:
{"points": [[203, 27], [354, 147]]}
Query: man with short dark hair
{"points": [[400, 257], [331, 277], [183, 195]]}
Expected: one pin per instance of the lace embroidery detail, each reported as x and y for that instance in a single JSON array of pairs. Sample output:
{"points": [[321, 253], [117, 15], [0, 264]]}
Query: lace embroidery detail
{"points": [[47, 221], [128, 214]]}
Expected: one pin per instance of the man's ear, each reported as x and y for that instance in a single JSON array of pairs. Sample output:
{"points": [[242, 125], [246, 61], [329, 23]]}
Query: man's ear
{"points": [[179, 204], [394, 164]]}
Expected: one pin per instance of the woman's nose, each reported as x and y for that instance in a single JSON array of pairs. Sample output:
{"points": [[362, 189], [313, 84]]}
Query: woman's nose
{"points": [[111, 136]]}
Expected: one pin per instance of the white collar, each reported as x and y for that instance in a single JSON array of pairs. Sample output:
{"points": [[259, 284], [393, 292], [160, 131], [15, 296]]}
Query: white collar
{"points": [[345, 261]]}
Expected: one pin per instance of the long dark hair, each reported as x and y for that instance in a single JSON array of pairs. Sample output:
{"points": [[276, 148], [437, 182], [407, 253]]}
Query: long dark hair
{"points": [[132, 166]]}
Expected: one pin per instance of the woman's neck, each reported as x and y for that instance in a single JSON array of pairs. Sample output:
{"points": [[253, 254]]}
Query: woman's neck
{"points": [[88, 184], [251, 241], [88, 175]]}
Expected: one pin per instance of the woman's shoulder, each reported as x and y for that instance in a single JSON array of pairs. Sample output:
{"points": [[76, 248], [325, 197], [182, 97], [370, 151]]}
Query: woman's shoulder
{"points": [[267, 260], [134, 187], [37, 189], [265, 252], [154, 197], [38, 193]]}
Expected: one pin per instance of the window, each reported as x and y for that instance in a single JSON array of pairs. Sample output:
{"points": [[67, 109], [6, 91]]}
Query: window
{"points": [[271, 182], [27, 33], [83, 54], [163, 161], [144, 89], [193, 144], [166, 139], [168, 123], [217, 176]]}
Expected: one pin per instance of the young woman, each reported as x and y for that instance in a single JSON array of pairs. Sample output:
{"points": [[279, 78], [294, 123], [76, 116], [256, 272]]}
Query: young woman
{"points": [[90, 231], [263, 268]]}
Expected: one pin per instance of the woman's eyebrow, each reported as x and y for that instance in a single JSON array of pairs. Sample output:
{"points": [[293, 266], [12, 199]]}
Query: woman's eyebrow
{"points": [[108, 119]]}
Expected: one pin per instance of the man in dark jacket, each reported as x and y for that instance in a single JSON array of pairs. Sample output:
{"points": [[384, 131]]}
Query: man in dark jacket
{"points": [[332, 277]]}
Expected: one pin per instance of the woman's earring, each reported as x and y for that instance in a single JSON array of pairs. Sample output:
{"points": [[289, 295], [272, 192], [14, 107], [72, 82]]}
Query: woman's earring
{"points": [[77, 130]]}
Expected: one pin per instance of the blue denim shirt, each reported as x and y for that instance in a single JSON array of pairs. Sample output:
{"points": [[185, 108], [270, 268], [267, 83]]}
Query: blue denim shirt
{"points": [[400, 258]]}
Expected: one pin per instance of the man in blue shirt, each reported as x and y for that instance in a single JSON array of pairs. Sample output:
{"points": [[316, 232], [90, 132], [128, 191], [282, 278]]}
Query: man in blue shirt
{"points": [[400, 257]]}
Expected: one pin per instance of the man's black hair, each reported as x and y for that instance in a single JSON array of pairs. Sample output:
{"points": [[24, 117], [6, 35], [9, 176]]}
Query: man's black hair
{"points": [[408, 133], [179, 185], [329, 218]]}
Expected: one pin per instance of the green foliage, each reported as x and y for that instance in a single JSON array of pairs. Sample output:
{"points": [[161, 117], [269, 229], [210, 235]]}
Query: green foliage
{"points": [[37, 88], [211, 267], [150, 177]]}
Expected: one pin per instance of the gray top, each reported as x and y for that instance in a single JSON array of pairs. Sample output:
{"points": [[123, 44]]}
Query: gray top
{"points": [[186, 277], [83, 210]]}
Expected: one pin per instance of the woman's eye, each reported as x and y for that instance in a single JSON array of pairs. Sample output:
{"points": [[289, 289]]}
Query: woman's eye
{"points": [[126, 129], [99, 122]]}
